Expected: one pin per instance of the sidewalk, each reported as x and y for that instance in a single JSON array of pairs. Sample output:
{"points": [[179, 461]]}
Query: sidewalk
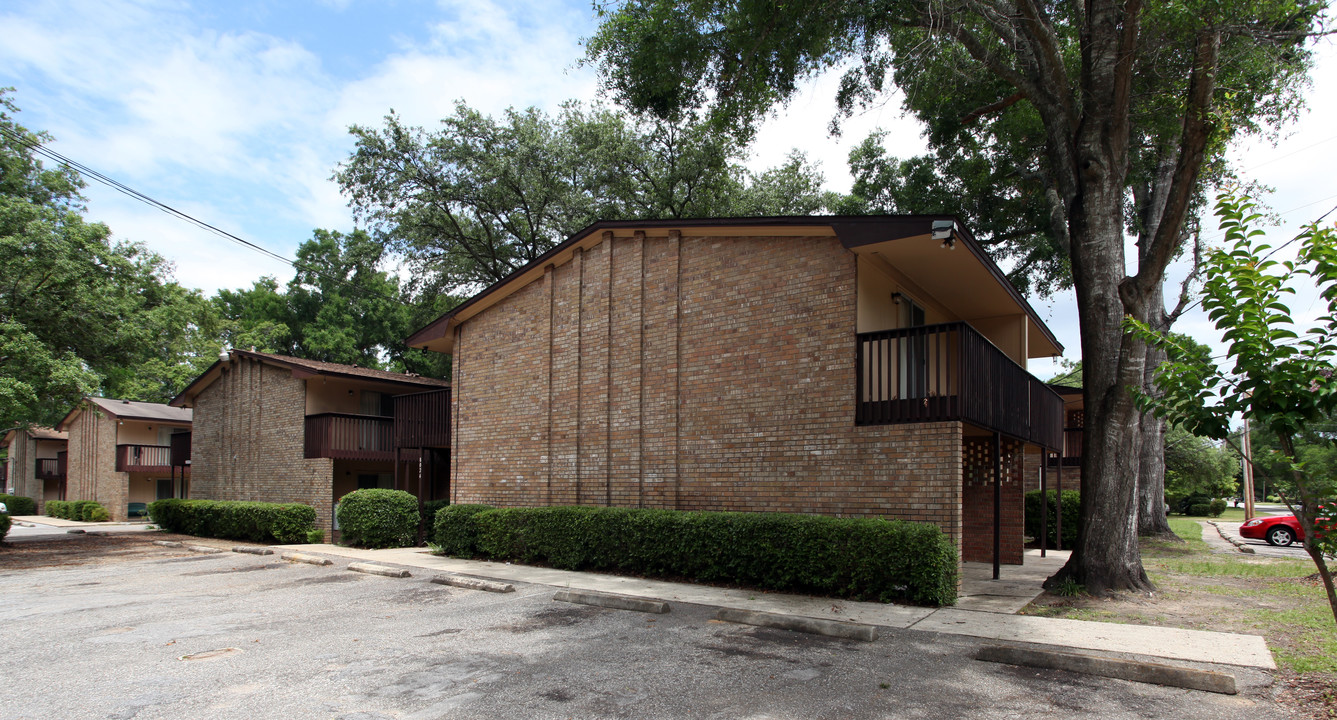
{"points": [[63, 523], [980, 613]]}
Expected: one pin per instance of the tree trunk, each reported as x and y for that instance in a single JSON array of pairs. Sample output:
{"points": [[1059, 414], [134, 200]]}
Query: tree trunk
{"points": [[1151, 511]]}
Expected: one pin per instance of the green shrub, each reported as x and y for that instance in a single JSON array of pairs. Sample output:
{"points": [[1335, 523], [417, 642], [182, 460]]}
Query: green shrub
{"points": [[286, 523], [864, 559], [1200, 509], [378, 518], [75, 509], [1072, 516], [1217, 506], [96, 513], [454, 532], [5, 522], [18, 504], [55, 508], [315, 537]]}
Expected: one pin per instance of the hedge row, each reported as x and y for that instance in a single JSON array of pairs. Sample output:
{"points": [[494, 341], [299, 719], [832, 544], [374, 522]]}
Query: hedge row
{"points": [[378, 518], [18, 504], [253, 521], [864, 559], [1072, 516], [81, 510], [5, 522]]}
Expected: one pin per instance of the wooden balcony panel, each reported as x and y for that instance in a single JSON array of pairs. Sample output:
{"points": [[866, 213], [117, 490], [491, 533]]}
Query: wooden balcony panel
{"points": [[144, 458], [344, 436], [422, 420], [50, 469]]}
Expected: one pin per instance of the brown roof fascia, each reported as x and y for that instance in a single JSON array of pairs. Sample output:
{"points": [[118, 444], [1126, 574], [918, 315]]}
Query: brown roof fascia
{"points": [[298, 370], [852, 230]]}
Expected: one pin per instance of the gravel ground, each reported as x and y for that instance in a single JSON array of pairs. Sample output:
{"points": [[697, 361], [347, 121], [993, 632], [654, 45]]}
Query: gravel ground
{"points": [[172, 635]]}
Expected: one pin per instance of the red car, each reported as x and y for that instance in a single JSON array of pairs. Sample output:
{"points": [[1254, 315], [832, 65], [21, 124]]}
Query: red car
{"points": [[1280, 530]]}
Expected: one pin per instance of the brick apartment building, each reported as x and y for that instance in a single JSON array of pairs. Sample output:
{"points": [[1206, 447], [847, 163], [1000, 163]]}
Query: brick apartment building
{"points": [[849, 366], [274, 428], [35, 464], [126, 454]]}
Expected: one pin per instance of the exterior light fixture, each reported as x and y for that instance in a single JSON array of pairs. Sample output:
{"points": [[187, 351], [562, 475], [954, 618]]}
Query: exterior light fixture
{"points": [[896, 298], [945, 230]]}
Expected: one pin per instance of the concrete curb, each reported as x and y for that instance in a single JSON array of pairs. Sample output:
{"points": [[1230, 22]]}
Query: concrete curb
{"points": [[608, 600], [473, 583], [252, 550], [75, 531], [168, 543], [204, 549], [1237, 542], [383, 570], [829, 628], [1134, 670], [305, 558]]}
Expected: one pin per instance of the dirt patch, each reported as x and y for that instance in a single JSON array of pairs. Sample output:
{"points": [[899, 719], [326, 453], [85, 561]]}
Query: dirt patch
{"points": [[85, 549]]}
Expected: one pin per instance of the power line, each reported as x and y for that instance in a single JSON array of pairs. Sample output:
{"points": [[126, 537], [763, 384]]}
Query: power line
{"points": [[180, 215]]}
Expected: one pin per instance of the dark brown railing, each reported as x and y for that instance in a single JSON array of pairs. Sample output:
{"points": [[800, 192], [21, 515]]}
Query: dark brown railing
{"points": [[4, 474], [180, 449], [143, 458], [422, 420], [1072, 448], [935, 373], [49, 469], [343, 436]]}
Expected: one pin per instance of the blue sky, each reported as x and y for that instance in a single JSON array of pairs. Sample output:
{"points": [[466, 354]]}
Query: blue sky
{"points": [[237, 112]]}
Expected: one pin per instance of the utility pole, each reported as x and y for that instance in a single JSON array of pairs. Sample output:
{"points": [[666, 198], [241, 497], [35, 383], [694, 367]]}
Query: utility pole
{"points": [[1246, 446]]}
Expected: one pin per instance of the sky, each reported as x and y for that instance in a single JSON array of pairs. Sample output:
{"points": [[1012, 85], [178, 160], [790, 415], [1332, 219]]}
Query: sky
{"points": [[237, 113]]}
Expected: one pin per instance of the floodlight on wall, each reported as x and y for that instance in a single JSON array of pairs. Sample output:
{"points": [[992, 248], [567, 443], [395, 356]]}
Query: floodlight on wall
{"points": [[896, 298], [945, 230]]}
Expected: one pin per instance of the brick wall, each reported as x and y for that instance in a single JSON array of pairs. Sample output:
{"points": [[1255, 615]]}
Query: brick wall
{"points": [[91, 469], [248, 442], [691, 373], [978, 500]]}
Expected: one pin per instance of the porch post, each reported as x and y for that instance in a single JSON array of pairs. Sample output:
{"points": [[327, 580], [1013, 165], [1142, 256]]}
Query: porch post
{"points": [[1044, 504], [997, 501]]}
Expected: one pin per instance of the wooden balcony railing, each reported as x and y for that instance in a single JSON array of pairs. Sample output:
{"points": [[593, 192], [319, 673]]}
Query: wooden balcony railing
{"points": [[143, 458], [343, 436], [50, 469], [935, 373], [1072, 448], [422, 420]]}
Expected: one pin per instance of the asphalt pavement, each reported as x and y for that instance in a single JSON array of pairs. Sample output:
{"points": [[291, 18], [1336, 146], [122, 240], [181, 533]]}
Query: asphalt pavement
{"points": [[245, 636]]}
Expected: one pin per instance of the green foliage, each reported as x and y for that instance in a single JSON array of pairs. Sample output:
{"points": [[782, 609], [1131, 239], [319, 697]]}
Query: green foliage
{"points": [[1072, 516], [5, 522], [864, 559], [378, 518], [1199, 509], [254, 521], [75, 509], [80, 314], [96, 513], [1197, 466], [55, 508], [19, 505], [479, 198], [315, 537], [454, 532], [1281, 379], [1216, 507]]}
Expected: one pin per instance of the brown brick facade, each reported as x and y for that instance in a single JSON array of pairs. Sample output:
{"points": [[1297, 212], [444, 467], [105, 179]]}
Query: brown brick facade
{"points": [[249, 431], [978, 499], [691, 373], [91, 473]]}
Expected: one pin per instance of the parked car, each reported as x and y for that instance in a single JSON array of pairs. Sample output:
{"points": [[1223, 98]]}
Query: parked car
{"points": [[1279, 530]]}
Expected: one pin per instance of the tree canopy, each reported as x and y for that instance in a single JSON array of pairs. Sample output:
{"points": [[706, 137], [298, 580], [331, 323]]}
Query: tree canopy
{"points": [[476, 199], [79, 312]]}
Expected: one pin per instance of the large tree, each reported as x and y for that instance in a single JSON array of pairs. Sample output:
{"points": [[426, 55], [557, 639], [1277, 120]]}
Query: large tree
{"points": [[1118, 89], [79, 313], [473, 201]]}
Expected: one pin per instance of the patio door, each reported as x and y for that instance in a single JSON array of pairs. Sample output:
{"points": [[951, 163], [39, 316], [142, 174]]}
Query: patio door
{"points": [[164, 489]]}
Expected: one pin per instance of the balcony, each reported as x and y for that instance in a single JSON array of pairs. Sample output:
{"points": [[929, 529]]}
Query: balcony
{"points": [[144, 458], [422, 420], [937, 373], [343, 436], [51, 468]]}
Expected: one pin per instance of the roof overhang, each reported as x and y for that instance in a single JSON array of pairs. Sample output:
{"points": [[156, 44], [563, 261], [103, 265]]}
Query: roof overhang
{"points": [[860, 234], [187, 396]]}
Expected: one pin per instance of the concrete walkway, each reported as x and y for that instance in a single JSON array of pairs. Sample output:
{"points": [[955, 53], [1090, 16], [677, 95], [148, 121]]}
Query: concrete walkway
{"points": [[984, 609], [63, 523]]}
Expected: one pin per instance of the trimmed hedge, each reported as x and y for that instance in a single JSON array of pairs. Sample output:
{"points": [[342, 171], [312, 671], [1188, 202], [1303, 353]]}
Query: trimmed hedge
{"points": [[5, 522], [286, 523], [453, 531], [96, 513], [864, 559], [1072, 516], [71, 509], [378, 518], [18, 504], [429, 510], [55, 508]]}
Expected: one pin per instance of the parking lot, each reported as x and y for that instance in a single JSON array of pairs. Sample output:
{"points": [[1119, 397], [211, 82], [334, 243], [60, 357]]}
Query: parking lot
{"points": [[181, 635]]}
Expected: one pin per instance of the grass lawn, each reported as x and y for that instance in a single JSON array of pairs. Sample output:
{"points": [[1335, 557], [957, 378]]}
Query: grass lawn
{"points": [[1280, 599]]}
